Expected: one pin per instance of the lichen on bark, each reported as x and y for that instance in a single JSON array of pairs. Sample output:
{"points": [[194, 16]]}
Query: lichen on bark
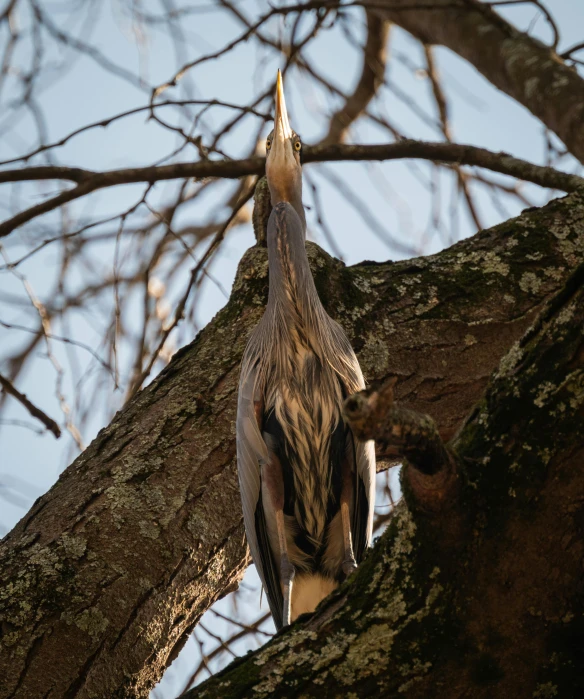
{"points": [[113, 566], [427, 614]]}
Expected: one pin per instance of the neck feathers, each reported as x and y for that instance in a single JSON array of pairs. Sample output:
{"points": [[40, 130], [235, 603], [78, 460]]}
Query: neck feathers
{"points": [[291, 282], [287, 189], [295, 315]]}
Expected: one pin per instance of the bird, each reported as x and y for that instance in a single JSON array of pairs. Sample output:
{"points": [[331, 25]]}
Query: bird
{"points": [[307, 485]]}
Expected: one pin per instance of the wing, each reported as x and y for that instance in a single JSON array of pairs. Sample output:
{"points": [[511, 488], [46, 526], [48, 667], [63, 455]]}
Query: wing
{"points": [[361, 455], [363, 494], [251, 453]]}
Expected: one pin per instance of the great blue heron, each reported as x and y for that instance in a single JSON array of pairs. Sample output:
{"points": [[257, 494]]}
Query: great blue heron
{"points": [[307, 486]]}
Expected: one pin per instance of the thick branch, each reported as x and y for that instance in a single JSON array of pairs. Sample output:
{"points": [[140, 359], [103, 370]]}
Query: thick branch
{"points": [[89, 181], [494, 610], [524, 68], [397, 431], [432, 470], [105, 577]]}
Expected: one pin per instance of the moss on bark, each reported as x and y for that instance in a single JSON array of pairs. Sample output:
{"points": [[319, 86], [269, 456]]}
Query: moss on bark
{"points": [[495, 611], [104, 578]]}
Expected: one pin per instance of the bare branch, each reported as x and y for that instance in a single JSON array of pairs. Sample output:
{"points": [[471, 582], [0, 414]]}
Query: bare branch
{"points": [[442, 106], [524, 68], [195, 272], [48, 422], [438, 152], [432, 471], [104, 123], [372, 76], [59, 338]]}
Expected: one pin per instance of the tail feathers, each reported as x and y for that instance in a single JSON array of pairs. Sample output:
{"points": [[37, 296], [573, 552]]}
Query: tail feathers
{"points": [[308, 591]]}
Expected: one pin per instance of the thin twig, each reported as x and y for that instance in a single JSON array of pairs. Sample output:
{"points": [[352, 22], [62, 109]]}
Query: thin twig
{"points": [[47, 421], [180, 309]]}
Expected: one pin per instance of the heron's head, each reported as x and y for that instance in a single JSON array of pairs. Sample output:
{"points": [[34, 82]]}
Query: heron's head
{"points": [[283, 155]]}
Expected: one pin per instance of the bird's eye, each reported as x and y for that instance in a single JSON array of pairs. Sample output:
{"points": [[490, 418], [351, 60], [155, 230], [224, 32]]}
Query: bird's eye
{"points": [[268, 145], [297, 145]]}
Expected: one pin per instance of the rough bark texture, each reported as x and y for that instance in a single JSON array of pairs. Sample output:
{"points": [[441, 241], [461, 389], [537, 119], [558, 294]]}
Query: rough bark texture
{"points": [[517, 64], [106, 576], [483, 598]]}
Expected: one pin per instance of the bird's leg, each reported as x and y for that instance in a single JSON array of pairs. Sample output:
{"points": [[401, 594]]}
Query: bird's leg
{"points": [[275, 488], [349, 562]]}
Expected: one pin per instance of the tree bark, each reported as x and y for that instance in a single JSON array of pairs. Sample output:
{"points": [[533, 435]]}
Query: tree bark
{"points": [[105, 577], [524, 68], [483, 597]]}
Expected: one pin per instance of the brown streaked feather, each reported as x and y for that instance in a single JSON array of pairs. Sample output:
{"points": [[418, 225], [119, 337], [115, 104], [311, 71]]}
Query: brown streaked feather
{"points": [[297, 369]]}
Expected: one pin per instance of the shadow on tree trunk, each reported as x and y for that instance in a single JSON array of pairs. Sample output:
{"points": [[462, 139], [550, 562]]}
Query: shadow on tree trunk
{"points": [[481, 595], [106, 576]]}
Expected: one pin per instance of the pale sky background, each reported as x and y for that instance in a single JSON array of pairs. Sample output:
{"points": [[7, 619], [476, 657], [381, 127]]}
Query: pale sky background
{"points": [[30, 463]]}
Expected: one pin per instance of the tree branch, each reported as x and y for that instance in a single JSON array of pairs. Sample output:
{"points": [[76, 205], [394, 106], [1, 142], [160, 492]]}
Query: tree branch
{"points": [[143, 532], [431, 470], [47, 421], [524, 68], [442, 105], [89, 181], [372, 76]]}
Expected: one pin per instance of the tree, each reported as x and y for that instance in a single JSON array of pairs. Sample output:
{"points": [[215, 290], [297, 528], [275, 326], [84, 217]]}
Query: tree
{"points": [[476, 586]]}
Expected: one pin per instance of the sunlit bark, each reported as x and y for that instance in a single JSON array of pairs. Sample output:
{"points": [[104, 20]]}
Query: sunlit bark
{"points": [[107, 574]]}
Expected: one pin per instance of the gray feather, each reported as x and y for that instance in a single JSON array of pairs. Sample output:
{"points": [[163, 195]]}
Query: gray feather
{"points": [[298, 363]]}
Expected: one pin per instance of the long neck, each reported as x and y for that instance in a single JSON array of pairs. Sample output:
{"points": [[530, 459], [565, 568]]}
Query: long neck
{"points": [[288, 189], [291, 282]]}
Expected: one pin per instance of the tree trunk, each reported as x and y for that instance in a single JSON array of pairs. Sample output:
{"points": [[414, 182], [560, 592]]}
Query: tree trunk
{"points": [[105, 577], [481, 595]]}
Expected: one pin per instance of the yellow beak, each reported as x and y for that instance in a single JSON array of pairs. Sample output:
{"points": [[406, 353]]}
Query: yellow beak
{"points": [[282, 130]]}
